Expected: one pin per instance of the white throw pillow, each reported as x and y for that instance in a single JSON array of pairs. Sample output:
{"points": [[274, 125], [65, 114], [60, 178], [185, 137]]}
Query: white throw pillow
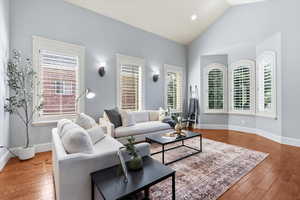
{"points": [[85, 121], [128, 118], [60, 125], [153, 115], [96, 134], [66, 127], [77, 140]]}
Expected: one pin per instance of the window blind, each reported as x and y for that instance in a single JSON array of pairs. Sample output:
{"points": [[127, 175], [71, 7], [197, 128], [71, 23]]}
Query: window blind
{"points": [[215, 89], [241, 88], [267, 85], [174, 90], [130, 87], [59, 83]]}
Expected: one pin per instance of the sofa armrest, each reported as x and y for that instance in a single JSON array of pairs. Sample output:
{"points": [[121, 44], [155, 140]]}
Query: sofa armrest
{"points": [[110, 128]]}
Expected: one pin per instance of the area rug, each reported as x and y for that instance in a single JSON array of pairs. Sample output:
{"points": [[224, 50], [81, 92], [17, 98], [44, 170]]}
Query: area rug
{"points": [[205, 176]]}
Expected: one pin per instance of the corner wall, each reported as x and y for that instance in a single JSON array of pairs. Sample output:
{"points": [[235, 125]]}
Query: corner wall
{"points": [[242, 33], [4, 55]]}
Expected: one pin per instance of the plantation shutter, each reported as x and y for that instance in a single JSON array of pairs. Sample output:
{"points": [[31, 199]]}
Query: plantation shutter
{"points": [[174, 90], [59, 83], [130, 87], [215, 83], [267, 85], [241, 88]]}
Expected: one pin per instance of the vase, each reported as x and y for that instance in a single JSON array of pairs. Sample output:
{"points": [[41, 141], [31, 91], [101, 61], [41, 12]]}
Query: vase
{"points": [[26, 153], [135, 163]]}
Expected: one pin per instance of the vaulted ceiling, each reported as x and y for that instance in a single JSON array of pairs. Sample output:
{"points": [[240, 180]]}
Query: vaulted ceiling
{"points": [[178, 20]]}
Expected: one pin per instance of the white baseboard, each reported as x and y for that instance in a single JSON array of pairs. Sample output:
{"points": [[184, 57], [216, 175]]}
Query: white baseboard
{"points": [[38, 149], [4, 158], [277, 138], [212, 126]]}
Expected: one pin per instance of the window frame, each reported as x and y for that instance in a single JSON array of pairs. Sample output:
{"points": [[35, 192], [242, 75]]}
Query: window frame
{"points": [[233, 66], [41, 43], [175, 69], [272, 113], [207, 69], [131, 60]]}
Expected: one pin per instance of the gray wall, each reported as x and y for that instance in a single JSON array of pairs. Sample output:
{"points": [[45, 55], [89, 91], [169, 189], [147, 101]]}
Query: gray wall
{"points": [[4, 54], [243, 32], [103, 38]]}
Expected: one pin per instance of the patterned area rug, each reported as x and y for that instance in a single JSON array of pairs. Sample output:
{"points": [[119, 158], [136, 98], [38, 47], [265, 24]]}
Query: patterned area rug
{"points": [[205, 176]]}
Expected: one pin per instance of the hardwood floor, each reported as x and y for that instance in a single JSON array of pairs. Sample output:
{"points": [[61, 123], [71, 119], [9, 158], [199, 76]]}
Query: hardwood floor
{"points": [[276, 178]]}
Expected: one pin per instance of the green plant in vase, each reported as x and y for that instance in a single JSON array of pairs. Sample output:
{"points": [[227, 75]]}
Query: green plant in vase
{"points": [[136, 161]]}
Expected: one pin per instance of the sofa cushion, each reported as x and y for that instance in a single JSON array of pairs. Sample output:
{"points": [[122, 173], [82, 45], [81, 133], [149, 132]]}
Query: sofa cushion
{"points": [[77, 140], [141, 116], [128, 118], [114, 117], [141, 128], [107, 145], [85, 121], [96, 133]]}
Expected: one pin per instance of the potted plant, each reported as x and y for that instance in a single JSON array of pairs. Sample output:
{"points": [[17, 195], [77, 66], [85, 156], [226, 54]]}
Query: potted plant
{"points": [[136, 161], [21, 80]]}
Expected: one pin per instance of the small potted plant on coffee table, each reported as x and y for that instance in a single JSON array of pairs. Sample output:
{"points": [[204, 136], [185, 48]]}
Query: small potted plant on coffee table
{"points": [[136, 161]]}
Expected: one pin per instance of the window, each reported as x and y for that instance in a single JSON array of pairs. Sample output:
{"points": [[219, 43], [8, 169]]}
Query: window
{"points": [[215, 88], [174, 88], [242, 91], [59, 67], [130, 83], [266, 84]]}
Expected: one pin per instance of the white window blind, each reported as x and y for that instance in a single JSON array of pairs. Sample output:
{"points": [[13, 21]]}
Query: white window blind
{"points": [[174, 88], [266, 84], [130, 92], [130, 82], [60, 74], [58, 83], [215, 86], [242, 87]]}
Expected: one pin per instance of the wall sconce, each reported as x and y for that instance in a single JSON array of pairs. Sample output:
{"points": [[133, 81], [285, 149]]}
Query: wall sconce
{"points": [[155, 77], [101, 69]]}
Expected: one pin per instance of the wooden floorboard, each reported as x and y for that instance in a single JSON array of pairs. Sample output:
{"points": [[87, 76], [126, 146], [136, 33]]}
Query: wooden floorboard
{"points": [[276, 178]]}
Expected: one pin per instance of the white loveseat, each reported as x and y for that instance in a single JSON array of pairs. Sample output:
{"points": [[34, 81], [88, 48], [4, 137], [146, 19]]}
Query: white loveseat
{"points": [[72, 171], [147, 122]]}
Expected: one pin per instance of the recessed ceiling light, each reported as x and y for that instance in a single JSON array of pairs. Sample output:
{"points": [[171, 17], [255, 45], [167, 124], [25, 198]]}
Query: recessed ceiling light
{"points": [[194, 17]]}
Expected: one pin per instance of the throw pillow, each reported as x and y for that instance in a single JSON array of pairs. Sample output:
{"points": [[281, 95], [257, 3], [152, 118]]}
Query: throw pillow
{"points": [[153, 115], [85, 121], [96, 134], [60, 125], [114, 117], [66, 127], [77, 140], [128, 118]]}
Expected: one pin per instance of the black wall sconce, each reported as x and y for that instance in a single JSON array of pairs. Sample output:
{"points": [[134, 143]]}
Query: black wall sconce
{"points": [[155, 77], [101, 69]]}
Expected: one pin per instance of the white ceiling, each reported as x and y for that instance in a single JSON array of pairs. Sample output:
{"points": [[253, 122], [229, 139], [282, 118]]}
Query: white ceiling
{"points": [[168, 18]]}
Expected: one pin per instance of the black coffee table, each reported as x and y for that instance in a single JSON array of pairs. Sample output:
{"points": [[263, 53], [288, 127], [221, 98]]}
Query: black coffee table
{"points": [[108, 184], [163, 140]]}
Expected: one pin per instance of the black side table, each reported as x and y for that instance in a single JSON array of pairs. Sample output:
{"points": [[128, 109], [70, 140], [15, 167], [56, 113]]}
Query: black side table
{"points": [[109, 185]]}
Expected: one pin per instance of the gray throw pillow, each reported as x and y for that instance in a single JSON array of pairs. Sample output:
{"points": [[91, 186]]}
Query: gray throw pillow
{"points": [[114, 117]]}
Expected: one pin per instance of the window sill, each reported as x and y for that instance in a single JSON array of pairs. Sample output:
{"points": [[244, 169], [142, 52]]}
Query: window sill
{"points": [[44, 123], [215, 113], [267, 116]]}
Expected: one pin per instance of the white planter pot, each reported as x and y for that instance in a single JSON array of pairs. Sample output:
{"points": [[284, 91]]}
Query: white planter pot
{"points": [[26, 153]]}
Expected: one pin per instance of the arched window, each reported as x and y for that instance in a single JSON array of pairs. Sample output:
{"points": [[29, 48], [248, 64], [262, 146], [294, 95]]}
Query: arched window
{"points": [[215, 87], [242, 87], [266, 84]]}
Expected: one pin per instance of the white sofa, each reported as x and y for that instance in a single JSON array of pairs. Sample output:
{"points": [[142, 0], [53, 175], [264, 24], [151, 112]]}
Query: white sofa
{"points": [[72, 171], [145, 125]]}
